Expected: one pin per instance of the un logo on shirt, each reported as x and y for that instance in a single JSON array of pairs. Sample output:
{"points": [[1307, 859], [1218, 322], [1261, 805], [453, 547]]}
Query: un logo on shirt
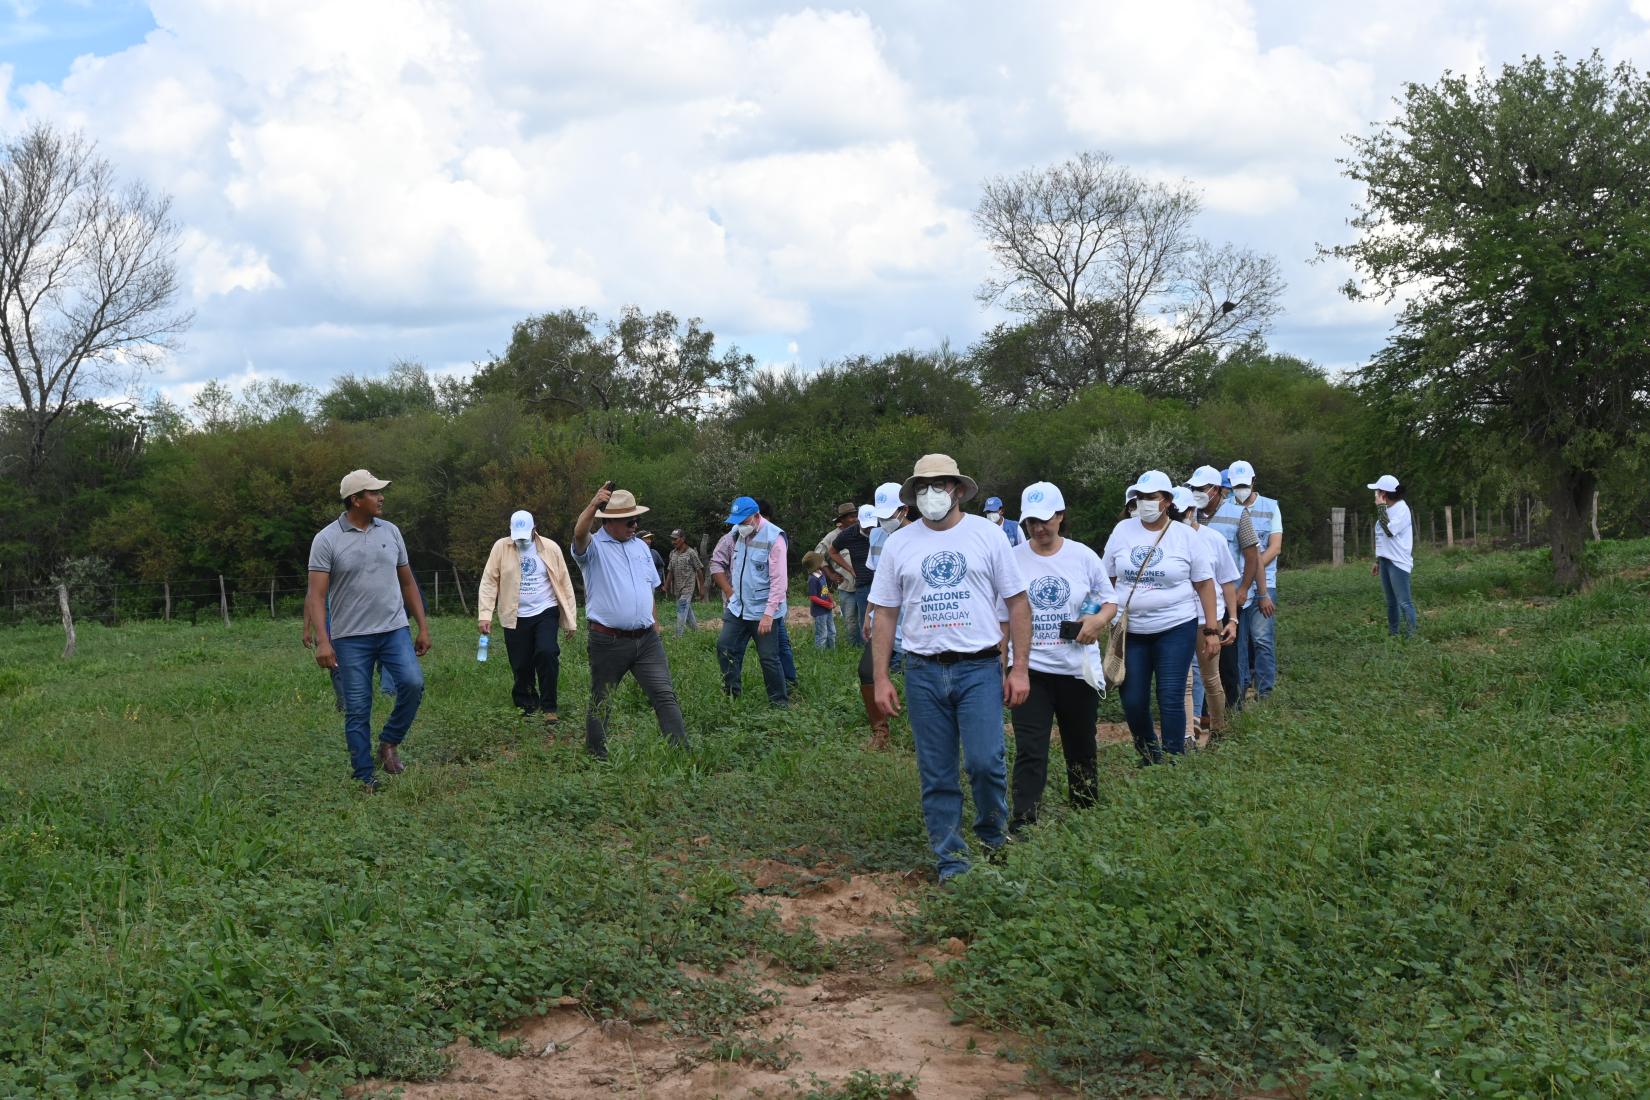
{"points": [[1144, 557], [1048, 593], [944, 569]]}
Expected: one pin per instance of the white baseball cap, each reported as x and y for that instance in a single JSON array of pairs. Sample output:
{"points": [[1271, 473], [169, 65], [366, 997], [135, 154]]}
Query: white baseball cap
{"points": [[1386, 483], [886, 501], [521, 525], [1241, 473], [1153, 481], [359, 481], [1040, 500], [1205, 475], [867, 515], [1181, 497]]}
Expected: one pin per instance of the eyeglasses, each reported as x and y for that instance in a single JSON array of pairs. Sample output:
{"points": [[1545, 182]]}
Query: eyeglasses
{"points": [[631, 522]]}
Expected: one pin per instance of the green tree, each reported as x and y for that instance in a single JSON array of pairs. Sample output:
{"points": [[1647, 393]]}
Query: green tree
{"points": [[405, 389], [1514, 213]]}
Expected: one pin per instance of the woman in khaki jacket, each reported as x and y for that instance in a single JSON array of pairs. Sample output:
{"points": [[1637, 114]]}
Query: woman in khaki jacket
{"points": [[526, 578]]}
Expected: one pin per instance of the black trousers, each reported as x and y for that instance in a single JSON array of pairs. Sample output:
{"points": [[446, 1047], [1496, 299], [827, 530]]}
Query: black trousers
{"points": [[644, 658], [535, 658], [1075, 706], [1229, 668]]}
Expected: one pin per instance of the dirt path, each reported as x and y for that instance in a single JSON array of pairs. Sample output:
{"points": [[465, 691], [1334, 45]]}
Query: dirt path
{"points": [[888, 1015]]}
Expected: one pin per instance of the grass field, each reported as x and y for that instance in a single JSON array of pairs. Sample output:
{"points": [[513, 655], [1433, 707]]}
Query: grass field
{"points": [[1421, 870]]}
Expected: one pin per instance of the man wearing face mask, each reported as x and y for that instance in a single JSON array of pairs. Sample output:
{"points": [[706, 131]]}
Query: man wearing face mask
{"points": [[940, 581], [526, 579], [1257, 633], [994, 513], [756, 585]]}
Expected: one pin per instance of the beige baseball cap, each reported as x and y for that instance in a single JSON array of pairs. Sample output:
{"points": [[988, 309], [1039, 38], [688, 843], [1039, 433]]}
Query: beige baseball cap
{"points": [[359, 481]]}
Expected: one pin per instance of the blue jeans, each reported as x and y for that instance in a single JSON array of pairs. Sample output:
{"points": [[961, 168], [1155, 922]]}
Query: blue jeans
{"points": [[952, 706], [393, 651], [825, 631], [684, 615], [787, 659], [737, 635], [1400, 605], [1259, 634], [853, 614], [1167, 656]]}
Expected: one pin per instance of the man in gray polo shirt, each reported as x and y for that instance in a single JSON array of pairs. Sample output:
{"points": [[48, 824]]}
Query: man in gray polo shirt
{"points": [[355, 616]]}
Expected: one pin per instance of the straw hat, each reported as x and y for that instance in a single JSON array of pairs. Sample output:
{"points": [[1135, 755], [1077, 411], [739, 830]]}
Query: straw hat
{"points": [[930, 466], [621, 505]]}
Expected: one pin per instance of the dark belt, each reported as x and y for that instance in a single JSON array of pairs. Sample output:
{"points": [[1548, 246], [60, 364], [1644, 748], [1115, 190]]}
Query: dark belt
{"points": [[602, 628], [952, 658]]}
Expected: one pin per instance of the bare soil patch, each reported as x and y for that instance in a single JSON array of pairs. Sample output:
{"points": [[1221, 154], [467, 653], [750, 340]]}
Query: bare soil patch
{"points": [[887, 1014]]}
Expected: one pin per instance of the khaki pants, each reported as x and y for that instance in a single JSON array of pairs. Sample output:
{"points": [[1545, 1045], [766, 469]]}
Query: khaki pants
{"points": [[1214, 696]]}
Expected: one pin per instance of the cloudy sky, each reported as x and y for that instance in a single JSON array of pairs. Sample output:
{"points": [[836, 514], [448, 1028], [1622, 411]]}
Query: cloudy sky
{"points": [[370, 180]]}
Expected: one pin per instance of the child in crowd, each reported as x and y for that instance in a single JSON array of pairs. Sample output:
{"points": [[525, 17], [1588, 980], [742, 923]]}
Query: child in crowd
{"points": [[820, 602]]}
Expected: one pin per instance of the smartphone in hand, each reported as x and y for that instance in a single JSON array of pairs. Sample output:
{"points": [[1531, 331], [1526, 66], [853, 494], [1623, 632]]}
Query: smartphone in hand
{"points": [[1069, 631]]}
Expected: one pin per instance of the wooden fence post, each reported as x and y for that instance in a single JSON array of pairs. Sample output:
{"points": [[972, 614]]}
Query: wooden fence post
{"points": [[1337, 536], [166, 586], [438, 591], [1596, 536], [271, 597], [458, 582], [68, 620], [1449, 525], [223, 599], [1432, 527]]}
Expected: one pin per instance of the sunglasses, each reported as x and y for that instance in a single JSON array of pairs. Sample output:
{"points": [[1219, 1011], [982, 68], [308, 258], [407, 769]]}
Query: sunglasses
{"points": [[631, 522]]}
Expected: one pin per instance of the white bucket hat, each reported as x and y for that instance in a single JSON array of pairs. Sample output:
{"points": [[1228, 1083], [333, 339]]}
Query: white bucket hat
{"points": [[931, 466]]}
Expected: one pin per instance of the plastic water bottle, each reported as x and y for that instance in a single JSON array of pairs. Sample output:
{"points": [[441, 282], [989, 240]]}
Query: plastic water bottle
{"points": [[1091, 603], [481, 648]]}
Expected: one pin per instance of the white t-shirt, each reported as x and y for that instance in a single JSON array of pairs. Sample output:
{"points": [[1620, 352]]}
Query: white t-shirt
{"points": [[1165, 597], [1057, 587], [536, 597], [946, 584], [1226, 570], [1398, 547]]}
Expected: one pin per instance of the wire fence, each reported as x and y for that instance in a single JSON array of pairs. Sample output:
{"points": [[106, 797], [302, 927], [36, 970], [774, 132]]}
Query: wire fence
{"points": [[193, 599]]}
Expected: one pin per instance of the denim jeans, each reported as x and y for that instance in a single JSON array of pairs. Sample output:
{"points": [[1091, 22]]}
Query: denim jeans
{"points": [[535, 658], [644, 658], [825, 631], [1257, 653], [684, 615], [853, 614], [393, 651], [737, 635], [787, 659], [1167, 657], [952, 707], [1400, 604]]}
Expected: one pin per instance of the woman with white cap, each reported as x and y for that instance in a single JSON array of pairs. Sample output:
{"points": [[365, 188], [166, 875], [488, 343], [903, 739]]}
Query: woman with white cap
{"points": [[1072, 601], [1394, 553], [1164, 577], [526, 580]]}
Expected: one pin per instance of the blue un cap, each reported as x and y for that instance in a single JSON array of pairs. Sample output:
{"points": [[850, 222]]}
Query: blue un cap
{"points": [[994, 504], [743, 508]]}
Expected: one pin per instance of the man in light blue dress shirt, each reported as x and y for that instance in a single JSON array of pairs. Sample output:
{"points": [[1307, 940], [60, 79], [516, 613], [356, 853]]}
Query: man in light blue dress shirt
{"points": [[619, 579]]}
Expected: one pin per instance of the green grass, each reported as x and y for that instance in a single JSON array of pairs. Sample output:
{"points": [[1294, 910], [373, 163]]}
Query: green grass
{"points": [[1421, 870]]}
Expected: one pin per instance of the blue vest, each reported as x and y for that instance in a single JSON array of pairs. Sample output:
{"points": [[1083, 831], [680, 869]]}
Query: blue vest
{"points": [[749, 576]]}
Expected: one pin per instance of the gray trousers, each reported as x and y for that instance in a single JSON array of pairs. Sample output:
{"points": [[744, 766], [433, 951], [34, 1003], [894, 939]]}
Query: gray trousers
{"points": [[644, 658]]}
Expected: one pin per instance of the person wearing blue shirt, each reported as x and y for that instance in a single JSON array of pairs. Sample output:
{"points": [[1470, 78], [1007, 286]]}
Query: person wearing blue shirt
{"points": [[994, 513], [619, 579], [1257, 633]]}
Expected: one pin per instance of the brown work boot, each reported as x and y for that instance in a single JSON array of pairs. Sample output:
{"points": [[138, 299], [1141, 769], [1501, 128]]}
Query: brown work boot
{"points": [[878, 720], [388, 760]]}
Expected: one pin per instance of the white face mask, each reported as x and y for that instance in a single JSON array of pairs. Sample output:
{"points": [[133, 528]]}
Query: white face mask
{"points": [[744, 530], [934, 503], [994, 517], [523, 544], [891, 524], [1201, 500], [1148, 511], [1244, 495]]}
